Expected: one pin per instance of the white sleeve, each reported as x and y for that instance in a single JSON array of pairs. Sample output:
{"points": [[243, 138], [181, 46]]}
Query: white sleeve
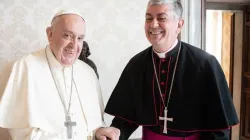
{"points": [[31, 134]]}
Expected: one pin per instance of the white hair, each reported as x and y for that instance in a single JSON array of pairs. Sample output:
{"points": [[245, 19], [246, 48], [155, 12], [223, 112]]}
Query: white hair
{"points": [[176, 6]]}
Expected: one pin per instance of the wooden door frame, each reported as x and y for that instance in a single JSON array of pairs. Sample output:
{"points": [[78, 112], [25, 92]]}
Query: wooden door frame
{"points": [[236, 6], [246, 44], [232, 55]]}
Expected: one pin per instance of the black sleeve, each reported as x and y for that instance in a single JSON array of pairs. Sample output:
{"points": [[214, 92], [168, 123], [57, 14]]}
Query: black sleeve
{"points": [[216, 135], [126, 128]]}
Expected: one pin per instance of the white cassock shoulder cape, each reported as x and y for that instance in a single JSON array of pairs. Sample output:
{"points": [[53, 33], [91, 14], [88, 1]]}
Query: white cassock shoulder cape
{"points": [[30, 98]]}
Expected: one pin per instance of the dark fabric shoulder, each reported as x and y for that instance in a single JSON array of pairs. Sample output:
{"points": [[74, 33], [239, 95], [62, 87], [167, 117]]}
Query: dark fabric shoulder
{"points": [[135, 62], [197, 55], [92, 65]]}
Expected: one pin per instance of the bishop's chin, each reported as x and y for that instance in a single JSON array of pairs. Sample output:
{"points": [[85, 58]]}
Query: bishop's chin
{"points": [[155, 41], [155, 37]]}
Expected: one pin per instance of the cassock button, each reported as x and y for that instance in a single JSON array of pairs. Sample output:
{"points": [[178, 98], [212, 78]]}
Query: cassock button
{"points": [[162, 83], [163, 60], [163, 71]]}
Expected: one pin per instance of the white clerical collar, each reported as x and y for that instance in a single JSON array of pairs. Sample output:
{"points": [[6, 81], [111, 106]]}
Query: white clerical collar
{"points": [[163, 54], [53, 61]]}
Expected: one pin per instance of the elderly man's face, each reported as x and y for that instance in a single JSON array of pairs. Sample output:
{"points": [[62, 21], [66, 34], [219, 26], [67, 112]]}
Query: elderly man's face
{"points": [[66, 37]]}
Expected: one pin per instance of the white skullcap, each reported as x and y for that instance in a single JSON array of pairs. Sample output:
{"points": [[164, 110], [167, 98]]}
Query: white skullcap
{"points": [[67, 12]]}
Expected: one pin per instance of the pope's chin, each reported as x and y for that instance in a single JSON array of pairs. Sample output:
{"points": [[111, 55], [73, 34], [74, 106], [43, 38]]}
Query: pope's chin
{"points": [[67, 62]]}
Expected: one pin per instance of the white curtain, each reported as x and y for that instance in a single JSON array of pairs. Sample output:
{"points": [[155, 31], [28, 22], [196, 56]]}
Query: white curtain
{"points": [[214, 33], [191, 32]]}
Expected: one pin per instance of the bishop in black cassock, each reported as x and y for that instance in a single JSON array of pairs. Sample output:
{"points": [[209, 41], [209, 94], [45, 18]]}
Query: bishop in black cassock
{"points": [[173, 89], [200, 102]]}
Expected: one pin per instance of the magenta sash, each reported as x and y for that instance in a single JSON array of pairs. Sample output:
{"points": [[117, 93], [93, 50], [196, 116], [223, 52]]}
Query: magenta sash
{"points": [[149, 135]]}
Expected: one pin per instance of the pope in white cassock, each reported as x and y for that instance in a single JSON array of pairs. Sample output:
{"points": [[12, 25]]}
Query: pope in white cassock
{"points": [[50, 94]]}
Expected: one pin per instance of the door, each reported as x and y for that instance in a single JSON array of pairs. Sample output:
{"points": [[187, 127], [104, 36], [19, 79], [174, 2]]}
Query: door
{"points": [[245, 107]]}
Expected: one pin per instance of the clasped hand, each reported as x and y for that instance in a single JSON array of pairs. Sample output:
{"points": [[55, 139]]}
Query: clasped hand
{"points": [[107, 133]]}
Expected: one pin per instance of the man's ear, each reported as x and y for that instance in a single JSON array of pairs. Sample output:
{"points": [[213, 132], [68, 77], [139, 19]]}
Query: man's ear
{"points": [[49, 33], [180, 25]]}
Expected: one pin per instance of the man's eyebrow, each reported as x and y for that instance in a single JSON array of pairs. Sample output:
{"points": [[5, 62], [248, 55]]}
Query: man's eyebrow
{"points": [[67, 31], [162, 14], [82, 36]]}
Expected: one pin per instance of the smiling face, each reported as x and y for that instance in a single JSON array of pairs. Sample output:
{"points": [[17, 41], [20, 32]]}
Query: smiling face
{"points": [[161, 26], [66, 37]]}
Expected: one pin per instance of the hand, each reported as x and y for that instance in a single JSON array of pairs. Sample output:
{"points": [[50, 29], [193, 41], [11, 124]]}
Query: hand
{"points": [[106, 133]]}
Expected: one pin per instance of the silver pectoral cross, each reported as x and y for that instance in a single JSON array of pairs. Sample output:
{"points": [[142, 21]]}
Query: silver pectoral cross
{"points": [[165, 118], [69, 124]]}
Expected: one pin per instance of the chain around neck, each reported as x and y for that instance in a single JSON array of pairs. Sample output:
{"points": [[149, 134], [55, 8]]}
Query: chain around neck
{"points": [[157, 80], [66, 110]]}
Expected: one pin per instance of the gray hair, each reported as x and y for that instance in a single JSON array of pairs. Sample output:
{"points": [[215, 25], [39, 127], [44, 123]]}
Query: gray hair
{"points": [[176, 6]]}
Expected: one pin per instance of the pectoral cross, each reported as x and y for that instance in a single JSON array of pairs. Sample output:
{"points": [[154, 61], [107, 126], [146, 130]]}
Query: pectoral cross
{"points": [[166, 119], [69, 124]]}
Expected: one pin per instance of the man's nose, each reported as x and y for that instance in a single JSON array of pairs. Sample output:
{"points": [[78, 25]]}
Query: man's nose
{"points": [[74, 41], [154, 23]]}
